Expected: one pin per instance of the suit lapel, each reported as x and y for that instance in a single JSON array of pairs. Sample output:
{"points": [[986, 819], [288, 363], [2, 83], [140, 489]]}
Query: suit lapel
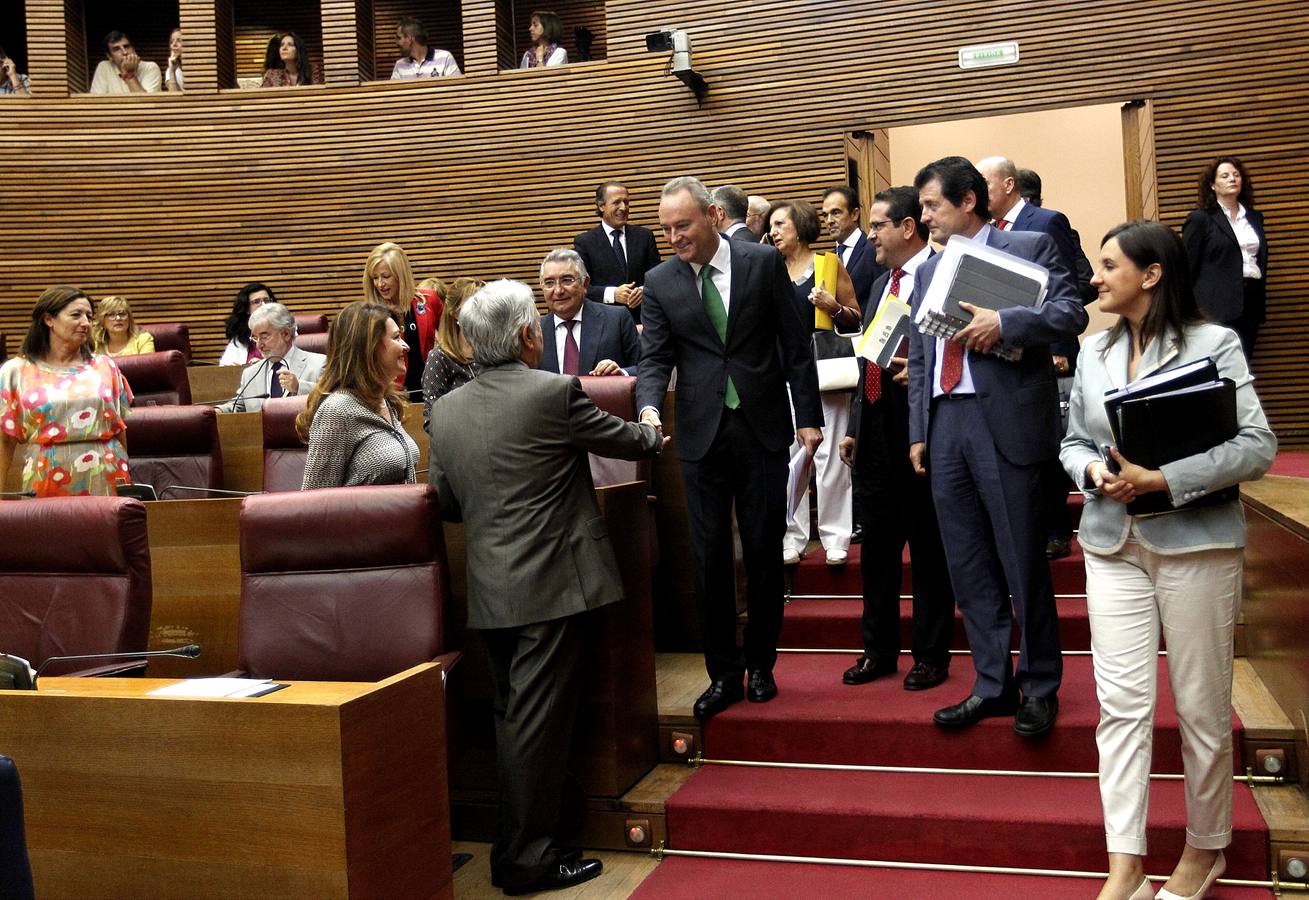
{"points": [[591, 335], [1225, 224], [740, 275], [691, 290], [875, 298], [1157, 354], [1115, 362], [548, 352]]}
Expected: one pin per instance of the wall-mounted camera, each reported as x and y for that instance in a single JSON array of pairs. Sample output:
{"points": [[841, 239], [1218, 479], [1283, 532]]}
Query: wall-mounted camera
{"points": [[678, 43]]}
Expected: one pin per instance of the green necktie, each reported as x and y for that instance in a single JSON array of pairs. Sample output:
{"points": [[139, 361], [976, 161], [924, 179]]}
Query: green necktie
{"points": [[713, 305]]}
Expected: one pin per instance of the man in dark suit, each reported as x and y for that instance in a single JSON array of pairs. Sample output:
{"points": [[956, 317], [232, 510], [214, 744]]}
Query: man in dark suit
{"points": [[733, 205], [509, 459], [840, 214], [894, 503], [724, 313], [1012, 211], [985, 428], [582, 337], [616, 254]]}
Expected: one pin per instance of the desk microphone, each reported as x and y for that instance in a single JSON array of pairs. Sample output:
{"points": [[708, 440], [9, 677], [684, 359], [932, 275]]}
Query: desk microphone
{"points": [[234, 399], [17, 495], [16, 674], [204, 490]]}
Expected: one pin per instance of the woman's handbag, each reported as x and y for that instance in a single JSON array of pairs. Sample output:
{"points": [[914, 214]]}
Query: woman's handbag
{"points": [[838, 367]]}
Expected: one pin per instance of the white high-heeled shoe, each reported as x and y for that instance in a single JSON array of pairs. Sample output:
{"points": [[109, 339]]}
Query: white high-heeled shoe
{"points": [[1215, 872], [1143, 890]]}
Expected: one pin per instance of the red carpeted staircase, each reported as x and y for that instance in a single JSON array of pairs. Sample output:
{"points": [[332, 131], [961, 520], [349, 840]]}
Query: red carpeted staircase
{"points": [[995, 820]]}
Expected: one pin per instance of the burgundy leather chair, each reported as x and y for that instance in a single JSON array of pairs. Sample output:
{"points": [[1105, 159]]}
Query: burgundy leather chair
{"points": [[175, 445], [615, 394], [346, 584], [313, 343], [311, 323], [157, 379], [171, 336], [284, 453], [74, 579]]}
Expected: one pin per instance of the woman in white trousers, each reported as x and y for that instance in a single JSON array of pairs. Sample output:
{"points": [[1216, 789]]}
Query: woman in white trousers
{"points": [[1179, 572]]}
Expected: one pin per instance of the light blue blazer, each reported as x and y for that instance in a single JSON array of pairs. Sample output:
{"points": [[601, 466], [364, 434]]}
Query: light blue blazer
{"points": [[1246, 457]]}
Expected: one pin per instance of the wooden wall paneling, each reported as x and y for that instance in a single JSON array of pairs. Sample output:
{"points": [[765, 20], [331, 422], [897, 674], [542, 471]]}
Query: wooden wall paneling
{"points": [[506, 35], [1142, 183], [13, 32], [443, 20], [56, 48], [342, 61], [295, 187], [146, 22], [200, 32], [255, 21], [225, 43], [881, 160]]}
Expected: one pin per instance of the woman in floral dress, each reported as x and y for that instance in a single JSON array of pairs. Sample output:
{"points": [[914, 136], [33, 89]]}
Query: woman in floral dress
{"points": [[64, 406]]}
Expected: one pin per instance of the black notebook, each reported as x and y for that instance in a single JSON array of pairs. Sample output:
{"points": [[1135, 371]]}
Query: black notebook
{"points": [[1201, 371], [1165, 427]]}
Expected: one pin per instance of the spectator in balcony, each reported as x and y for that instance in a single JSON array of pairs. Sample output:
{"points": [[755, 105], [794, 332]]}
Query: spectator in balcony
{"points": [[420, 60], [240, 349], [114, 331], [11, 83], [173, 79], [122, 71], [287, 63], [547, 33]]}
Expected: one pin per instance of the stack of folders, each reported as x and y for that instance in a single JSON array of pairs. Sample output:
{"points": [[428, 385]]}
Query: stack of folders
{"points": [[1169, 416], [971, 272]]}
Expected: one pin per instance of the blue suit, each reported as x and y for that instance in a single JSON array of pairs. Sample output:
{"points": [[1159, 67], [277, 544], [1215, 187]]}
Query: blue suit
{"points": [[1056, 224], [985, 455], [608, 332]]}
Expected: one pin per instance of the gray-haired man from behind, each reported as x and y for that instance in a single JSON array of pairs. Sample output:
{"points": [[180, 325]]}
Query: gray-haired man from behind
{"points": [[509, 459]]}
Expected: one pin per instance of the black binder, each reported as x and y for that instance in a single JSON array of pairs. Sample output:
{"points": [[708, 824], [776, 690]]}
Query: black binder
{"points": [[983, 283], [1165, 427], [1202, 371]]}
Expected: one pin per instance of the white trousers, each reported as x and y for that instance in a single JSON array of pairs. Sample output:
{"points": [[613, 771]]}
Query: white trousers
{"points": [[835, 495], [1194, 596]]}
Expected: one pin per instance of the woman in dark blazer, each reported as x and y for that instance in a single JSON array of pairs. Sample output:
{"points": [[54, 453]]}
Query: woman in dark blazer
{"points": [[1227, 250]]}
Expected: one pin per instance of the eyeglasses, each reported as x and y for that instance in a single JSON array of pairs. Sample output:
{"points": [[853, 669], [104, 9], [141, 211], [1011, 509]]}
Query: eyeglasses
{"points": [[117, 315], [254, 302], [879, 224], [567, 281]]}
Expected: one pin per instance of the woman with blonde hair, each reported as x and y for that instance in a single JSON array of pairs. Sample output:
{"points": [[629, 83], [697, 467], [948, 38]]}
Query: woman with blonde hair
{"points": [[389, 280], [114, 331], [450, 364], [353, 417]]}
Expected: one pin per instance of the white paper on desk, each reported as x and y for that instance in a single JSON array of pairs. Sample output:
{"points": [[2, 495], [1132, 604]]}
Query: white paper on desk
{"points": [[213, 687], [797, 484]]}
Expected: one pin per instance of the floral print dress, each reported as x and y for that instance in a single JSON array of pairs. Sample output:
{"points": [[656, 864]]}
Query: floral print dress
{"points": [[70, 421]]}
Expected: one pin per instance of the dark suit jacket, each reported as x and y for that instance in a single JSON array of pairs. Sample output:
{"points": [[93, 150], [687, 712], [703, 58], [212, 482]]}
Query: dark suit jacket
{"points": [[508, 458], [607, 333], [1056, 224], [597, 251], [744, 234], [1019, 400], [1216, 266], [863, 268], [767, 350]]}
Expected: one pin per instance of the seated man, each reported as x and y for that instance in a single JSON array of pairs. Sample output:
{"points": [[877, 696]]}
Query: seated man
{"points": [[285, 370], [605, 344], [12, 83], [122, 71], [419, 60]]}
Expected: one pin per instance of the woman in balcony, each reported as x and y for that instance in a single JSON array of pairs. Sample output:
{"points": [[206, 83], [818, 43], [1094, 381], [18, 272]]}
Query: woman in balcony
{"points": [[547, 34], [287, 63]]}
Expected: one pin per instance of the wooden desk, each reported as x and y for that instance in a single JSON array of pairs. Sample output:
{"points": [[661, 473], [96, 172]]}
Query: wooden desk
{"points": [[319, 790]]}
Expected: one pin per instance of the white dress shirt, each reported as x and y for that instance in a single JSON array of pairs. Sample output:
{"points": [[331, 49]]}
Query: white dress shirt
{"points": [[1248, 239], [1010, 216], [622, 240], [436, 64], [561, 336], [907, 279], [965, 385], [721, 276], [846, 247]]}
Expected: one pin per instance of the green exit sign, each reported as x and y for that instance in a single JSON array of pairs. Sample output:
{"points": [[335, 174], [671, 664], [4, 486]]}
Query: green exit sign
{"points": [[983, 55]]}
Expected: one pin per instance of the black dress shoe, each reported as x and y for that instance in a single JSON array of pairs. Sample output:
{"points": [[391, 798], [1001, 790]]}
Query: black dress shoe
{"points": [[925, 675], [1036, 716], [1057, 548], [867, 670], [717, 697], [761, 688], [974, 709], [565, 874]]}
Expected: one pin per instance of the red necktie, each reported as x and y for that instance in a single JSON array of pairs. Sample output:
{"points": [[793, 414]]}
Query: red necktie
{"points": [[952, 366], [872, 371], [1002, 224], [571, 356]]}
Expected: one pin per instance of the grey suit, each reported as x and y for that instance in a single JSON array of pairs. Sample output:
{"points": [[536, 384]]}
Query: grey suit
{"points": [[258, 377], [509, 459], [1105, 523]]}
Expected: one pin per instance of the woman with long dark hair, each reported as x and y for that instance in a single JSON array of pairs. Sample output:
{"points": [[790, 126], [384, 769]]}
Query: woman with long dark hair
{"points": [[1179, 573], [287, 63], [240, 350], [1228, 251], [546, 32]]}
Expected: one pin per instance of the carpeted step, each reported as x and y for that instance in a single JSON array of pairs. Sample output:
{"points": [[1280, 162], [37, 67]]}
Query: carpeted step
{"points": [[690, 878], [817, 719], [813, 576], [1027, 821], [834, 624]]}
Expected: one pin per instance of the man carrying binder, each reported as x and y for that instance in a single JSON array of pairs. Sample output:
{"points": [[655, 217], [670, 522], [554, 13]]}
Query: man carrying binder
{"points": [[983, 428]]}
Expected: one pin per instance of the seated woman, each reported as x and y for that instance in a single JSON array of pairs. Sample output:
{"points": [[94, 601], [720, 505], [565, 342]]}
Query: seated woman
{"points": [[389, 280], [240, 349], [174, 80], [67, 408], [287, 64], [450, 364], [547, 34], [1179, 573], [115, 331], [11, 82], [352, 420]]}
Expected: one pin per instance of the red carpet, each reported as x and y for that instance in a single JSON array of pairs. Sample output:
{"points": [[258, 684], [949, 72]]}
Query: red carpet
{"points": [[1026, 821], [815, 718], [1292, 463], [718, 879], [834, 624]]}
